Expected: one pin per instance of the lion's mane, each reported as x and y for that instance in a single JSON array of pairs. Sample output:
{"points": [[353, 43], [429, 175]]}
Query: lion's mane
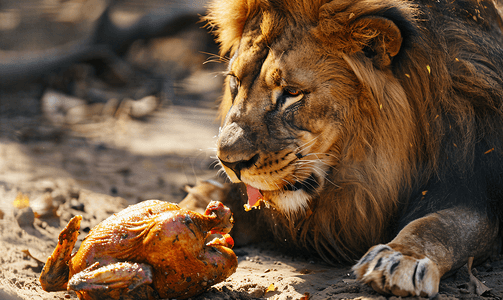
{"points": [[444, 90]]}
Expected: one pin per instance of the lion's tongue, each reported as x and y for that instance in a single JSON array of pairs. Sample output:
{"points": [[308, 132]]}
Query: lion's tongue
{"points": [[253, 195]]}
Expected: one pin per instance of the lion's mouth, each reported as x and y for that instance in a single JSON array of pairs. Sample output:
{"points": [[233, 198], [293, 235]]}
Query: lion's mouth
{"points": [[309, 185], [254, 195]]}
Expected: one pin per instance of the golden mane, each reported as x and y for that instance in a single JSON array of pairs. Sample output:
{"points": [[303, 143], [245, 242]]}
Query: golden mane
{"points": [[228, 18], [442, 94]]}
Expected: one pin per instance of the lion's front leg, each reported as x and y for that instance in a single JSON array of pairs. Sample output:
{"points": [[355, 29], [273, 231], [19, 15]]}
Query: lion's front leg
{"points": [[425, 250]]}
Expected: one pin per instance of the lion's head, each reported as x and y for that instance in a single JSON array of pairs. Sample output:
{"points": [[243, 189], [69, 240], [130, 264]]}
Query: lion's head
{"points": [[329, 108]]}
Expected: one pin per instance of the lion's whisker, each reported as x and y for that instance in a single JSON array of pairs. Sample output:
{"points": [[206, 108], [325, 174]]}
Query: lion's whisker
{"points": [[307, 144], [309, 166], [215, 58], [311, 162], [313, 166], [322, 154]]}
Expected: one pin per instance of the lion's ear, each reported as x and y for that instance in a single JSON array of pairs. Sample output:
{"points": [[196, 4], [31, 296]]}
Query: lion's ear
{"points": [[349, 30], [379, 38]]}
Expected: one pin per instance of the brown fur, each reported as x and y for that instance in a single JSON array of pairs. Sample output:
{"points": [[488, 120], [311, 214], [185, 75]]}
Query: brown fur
{"points": [[413, 111]]}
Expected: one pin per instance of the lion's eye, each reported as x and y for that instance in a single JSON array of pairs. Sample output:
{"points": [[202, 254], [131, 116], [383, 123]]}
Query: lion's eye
{"points": [[291, 92], [289, 96], [233, 85]]}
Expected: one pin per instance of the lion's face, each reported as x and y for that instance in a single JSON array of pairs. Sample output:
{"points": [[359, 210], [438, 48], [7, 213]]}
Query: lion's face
{"points": [[311, 104], [287, 107]]}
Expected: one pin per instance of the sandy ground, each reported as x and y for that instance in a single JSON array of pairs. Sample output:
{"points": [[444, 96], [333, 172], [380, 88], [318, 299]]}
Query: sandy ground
{"points": [[95, 175], [96, 166]]}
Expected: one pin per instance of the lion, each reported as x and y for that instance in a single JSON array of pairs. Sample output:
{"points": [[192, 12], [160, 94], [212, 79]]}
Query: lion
{"points": [[370, 129]]}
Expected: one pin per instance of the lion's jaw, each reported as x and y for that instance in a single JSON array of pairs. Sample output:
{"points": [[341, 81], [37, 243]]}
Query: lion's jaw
{"points": [[288, 185], [282, 122]]}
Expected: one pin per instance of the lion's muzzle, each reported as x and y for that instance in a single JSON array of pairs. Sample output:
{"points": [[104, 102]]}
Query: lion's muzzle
{"points": [[236, 151]]}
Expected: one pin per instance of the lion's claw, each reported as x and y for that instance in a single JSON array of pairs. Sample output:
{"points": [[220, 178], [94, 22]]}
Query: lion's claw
{"points": [[391, 272]]}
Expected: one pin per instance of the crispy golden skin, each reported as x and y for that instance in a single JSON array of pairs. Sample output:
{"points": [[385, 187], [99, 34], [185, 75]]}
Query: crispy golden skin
{"points": [[154, 245]]}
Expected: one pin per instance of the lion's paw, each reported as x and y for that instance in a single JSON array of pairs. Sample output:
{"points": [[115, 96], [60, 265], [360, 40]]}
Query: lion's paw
{"points": [[390, 272]]}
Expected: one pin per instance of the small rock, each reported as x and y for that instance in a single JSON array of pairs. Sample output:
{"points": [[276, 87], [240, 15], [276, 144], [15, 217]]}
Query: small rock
{"points": [[75, 204], [55, 105], [113, 190], [25, 216], [256, 292], [141, 108], [43, 206], [45, 186]]}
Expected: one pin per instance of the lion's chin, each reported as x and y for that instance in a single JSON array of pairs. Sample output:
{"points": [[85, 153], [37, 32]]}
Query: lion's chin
{"points": [[289, 202]]}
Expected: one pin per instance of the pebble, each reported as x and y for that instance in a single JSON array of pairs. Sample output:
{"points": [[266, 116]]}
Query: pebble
{"points": [[75, 204], [55, 105], [25, 216], [43, 206], [143, 107], [45, 186], [256, 292]]}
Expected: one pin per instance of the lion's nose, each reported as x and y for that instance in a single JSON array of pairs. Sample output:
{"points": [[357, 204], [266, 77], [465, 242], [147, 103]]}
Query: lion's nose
{"points": [[237, 166]]}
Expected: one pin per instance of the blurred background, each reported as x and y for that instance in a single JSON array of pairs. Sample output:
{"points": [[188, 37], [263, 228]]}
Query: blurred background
{"points": [[118, 97], [103, 104]]}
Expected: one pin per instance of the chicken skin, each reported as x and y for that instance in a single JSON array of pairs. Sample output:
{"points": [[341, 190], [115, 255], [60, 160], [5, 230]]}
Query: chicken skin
{"points": [[151, 250]]}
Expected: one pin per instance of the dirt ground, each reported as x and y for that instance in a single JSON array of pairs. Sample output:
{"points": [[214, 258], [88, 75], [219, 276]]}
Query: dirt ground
{"points": [[83, 160], [94, 177]]}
